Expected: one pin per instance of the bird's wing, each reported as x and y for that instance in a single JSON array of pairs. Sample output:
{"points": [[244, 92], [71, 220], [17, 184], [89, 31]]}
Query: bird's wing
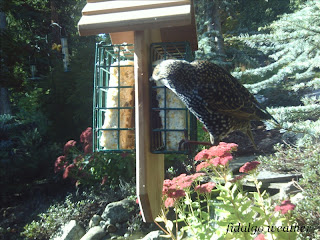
{"points": [[222, 93]]}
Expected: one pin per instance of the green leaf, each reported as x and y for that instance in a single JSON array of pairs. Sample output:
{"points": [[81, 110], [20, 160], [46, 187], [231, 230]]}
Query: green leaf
{"points": [[165, 236], [259, 210], [228, 208], [256, 196], [158, 219], [169, 225], [245, 206], [188, 201], [234, 189]]}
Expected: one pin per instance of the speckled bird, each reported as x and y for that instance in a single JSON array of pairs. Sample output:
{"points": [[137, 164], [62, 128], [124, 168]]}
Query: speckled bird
{"points": [[213, 95]]}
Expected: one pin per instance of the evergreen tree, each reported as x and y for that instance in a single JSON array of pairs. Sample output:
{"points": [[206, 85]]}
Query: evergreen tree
{"points": [[292, 45]]}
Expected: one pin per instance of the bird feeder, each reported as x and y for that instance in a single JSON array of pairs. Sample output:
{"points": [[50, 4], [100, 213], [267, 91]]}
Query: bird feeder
{"points": [[33, 68], [142, 32], [64, 46]]}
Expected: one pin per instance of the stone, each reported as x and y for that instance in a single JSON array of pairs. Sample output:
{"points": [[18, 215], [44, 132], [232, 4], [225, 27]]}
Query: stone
{"points": [[291, 137], [118, 212], [126, 235], [111, 228], [95, 233], [103, 224], [288, 189], [71, 231], [154, 235], [95, 220], [272, 177], [297, 198]]}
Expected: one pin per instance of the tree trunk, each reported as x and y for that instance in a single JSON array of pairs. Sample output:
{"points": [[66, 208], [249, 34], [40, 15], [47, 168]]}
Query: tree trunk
{"points": [[5, 107], [4, 101], [216, 24]]}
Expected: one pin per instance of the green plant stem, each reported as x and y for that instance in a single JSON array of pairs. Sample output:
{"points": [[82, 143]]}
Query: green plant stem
{"points": [[166, 232], [234, 206], [199, 202], [208, 206], [169, 232], [256, 183], [176, 224], [190, 205]]}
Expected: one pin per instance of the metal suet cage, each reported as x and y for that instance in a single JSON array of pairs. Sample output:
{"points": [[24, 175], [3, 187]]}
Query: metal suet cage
{"points": [[113, 98], [171, 122]]}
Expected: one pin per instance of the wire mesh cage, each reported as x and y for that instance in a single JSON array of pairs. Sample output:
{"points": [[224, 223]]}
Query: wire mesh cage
{"points": [[113, 98], [171, 122]]}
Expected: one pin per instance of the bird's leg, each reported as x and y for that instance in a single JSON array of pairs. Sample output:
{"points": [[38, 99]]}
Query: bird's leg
{"points": [[249, 134]]}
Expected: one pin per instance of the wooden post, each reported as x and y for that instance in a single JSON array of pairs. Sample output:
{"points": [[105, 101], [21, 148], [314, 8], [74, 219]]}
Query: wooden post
{"points": [[149, 167]]}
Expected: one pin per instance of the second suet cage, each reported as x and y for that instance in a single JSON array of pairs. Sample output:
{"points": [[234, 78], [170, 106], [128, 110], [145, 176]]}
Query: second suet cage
{"points": [[171, 122]]}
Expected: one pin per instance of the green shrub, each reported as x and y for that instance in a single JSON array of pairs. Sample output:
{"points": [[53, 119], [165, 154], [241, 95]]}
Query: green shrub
{"points": [[93, 168], [304, 160], [25, 153]]}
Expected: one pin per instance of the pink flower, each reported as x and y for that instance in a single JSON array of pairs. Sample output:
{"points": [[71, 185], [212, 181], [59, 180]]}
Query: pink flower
{"points": [[205, 188], [68, 170], [202, 165], [104, 180], [224, 160], [59, 164], [196, 175], [166, 186], [285, 207], [171, 189], [260, 237], [169, 202], [182, 181], [222, 150], [86, 136], [68, 145], [202, 155], [249, 166], [176, 193], [87, 148]]}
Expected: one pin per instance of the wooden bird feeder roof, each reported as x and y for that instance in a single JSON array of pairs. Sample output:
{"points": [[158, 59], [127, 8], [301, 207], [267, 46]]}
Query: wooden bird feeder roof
{"points": [[174, 18]]}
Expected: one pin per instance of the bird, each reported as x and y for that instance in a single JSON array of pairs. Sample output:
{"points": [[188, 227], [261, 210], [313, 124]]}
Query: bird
{"points": [[213, 95]]}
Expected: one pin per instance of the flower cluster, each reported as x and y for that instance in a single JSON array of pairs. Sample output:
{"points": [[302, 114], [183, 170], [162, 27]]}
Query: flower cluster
{"points": [[62, 163], [260, 237], [215, 156], [249, 166], [175, 188], [285, 207], [69, 145], [205, 188], [86, 139]]}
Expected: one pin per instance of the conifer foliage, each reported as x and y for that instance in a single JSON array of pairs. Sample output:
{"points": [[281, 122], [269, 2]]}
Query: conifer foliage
{"points": [[292, 44]]}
